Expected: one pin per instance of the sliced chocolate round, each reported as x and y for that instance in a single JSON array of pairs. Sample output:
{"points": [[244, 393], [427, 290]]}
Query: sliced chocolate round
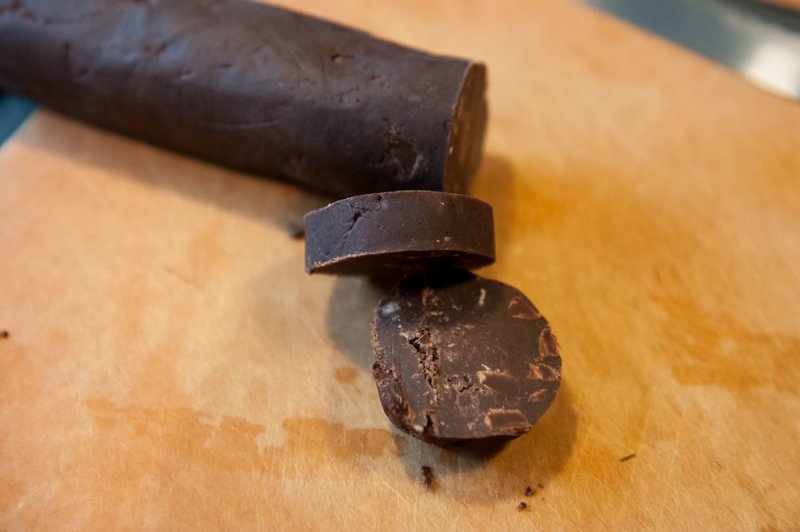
{"points": [[461, 358], [400, 231]]}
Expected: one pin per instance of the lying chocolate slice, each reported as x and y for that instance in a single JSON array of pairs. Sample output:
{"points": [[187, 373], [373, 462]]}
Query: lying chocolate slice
{"points": [[252, 86], [399, 231], [461, 358]]}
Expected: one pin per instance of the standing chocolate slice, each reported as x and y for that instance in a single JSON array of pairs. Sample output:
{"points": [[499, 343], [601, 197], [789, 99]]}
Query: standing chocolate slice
{"points": [[399, 231], [255, 87], [461, 358]]}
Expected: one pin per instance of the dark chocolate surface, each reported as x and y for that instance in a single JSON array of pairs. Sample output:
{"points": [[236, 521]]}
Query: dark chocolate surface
{"points": [[255, 87], [461, 358], [399, 231]]}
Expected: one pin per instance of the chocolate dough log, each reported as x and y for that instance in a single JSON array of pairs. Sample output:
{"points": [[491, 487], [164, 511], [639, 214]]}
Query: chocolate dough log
{"points": [[399, 232], [461, 358], [254, 87]]}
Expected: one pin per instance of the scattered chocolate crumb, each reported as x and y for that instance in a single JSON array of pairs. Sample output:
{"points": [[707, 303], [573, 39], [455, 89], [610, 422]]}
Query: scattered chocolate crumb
{"points": [[522, 506], [427, 477], [296, 231], [540, 485], [4, 334], [626, 458], [529, 491]]}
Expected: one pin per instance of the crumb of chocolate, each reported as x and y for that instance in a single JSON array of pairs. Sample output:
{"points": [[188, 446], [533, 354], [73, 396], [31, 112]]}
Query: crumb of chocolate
{"points": [[427, 477], [522, 506], [296, 231], [529, 491], [541, 487], [4, 334], [628, 457]]}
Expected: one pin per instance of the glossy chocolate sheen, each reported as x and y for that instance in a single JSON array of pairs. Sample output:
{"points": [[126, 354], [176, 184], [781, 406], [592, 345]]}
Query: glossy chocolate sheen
{"points": [[459, 358], [254, 87], [402, 231]]}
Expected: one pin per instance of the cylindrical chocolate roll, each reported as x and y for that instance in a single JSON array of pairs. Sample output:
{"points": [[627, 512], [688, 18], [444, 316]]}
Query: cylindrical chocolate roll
{"points": [[254, 87]]}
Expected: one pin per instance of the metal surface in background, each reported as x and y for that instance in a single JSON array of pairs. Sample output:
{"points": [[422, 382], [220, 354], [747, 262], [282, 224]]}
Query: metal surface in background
{"points": [[760, 41], [13, 112]]}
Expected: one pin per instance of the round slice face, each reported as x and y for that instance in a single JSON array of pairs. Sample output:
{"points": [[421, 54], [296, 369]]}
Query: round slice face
{"points": [[378, 234], [461, 358]]}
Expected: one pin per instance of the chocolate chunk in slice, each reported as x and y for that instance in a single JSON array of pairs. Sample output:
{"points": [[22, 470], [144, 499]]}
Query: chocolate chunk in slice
{"points": [[401, 231], [459, 358]]}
